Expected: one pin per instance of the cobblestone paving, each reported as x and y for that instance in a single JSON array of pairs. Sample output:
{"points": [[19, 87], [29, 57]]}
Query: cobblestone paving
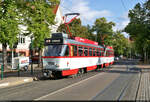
{"points": [[144, 87]]}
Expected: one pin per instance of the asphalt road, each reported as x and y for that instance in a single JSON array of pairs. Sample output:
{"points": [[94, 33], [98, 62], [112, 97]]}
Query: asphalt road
{"points": [[114, 83]]}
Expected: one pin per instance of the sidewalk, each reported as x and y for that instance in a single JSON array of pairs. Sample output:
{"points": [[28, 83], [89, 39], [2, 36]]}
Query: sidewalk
{"points": [[11, 77]]}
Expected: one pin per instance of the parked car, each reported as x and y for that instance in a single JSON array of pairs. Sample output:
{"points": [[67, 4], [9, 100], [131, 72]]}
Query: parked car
{"points": [[22, 61]]}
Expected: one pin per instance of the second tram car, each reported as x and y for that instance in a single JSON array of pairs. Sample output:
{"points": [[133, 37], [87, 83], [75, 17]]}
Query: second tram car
{"points": [[63, 56]]}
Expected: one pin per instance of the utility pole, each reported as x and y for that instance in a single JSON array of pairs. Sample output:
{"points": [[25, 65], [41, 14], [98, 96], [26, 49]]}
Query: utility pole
{"points": [[31, 55], [12, 57]]}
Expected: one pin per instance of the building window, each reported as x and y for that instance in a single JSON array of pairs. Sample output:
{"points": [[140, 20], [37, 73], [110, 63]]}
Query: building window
{"points": [[90, 52], [21, 39]]}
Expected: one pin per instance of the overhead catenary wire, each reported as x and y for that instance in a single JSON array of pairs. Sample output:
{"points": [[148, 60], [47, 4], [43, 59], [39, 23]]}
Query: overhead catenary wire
{"points": [[71, 11], [123, 4]]}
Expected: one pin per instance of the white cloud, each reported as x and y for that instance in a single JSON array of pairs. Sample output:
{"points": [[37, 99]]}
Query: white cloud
{"points": [[124, 20], [122, 23], [87, 14]]}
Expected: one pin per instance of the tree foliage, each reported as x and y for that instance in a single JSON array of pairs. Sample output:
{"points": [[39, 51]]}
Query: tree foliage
{"points": [[103, 30], [38, 17], [139, 27], [120, 44], [9, 20]]}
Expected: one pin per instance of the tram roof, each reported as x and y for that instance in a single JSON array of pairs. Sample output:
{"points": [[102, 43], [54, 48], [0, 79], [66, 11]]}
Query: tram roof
{"points": [[71, 41]]}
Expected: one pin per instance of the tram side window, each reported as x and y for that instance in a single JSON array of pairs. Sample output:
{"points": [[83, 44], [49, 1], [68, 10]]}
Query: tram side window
{"points": [[67, 51], [93, 51], [80, 51], [102, 52], [90, 51], [75, 50], [97, 52], [85, 51], [107, 52]]}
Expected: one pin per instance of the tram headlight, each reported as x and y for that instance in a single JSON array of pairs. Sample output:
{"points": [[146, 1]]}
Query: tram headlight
{"points": [[45, 63]]}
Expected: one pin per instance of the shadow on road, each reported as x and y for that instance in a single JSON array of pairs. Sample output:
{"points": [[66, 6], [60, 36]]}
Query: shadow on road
{"points": [[127, 71]]}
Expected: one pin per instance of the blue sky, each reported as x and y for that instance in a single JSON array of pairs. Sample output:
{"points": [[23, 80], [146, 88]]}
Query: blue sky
{"points": [[112, 10]]}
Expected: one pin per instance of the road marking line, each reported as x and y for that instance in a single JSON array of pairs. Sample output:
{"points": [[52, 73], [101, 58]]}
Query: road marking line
{"points": [[40, 98], [4, 84]]}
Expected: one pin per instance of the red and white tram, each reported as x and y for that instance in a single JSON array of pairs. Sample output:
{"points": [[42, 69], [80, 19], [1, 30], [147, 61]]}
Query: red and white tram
{"points": [[63, 56]]}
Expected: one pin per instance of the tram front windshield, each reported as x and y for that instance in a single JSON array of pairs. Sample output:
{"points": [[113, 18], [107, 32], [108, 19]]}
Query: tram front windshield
{"points": [[53, 50]]}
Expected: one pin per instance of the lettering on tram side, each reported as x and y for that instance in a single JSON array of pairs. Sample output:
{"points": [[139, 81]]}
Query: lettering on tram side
{"points": [[53, 41]]}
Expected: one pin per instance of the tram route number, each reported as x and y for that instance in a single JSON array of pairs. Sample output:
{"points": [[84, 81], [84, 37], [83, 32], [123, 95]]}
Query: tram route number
{"points": [[53, 41]]}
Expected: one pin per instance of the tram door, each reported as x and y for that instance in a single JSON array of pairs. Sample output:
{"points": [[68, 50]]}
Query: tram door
{"points": [[71, 55], [67, 59]]}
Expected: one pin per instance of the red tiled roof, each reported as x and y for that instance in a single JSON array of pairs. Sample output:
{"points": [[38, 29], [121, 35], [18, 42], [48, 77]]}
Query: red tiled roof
{"points": [[55, 9]]}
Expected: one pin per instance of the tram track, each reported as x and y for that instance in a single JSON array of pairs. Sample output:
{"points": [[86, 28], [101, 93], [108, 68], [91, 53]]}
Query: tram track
{"points": [[129, 84], [108, 83], [140, 78], [120, 88]]}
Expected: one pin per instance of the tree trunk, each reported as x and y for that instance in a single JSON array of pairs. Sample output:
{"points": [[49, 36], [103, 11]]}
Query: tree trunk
{"points": [[40, 58], [4, 55], [145, 55]]}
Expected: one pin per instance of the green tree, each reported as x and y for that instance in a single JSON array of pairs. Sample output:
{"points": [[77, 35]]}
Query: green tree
{"points": [[120, 44], [9, 21], [39, 17], [139, 27], [103, 30]]}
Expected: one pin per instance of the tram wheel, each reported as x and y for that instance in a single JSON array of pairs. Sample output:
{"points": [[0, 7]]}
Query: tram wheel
{"points": [[73, 76], [85, 70]]}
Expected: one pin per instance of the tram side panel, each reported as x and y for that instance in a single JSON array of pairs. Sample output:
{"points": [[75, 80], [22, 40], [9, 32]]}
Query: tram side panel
{"points": [[84, 62]]}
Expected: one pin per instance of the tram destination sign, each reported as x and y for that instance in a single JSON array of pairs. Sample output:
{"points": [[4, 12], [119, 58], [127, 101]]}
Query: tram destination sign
{"points": [[52, 41]]}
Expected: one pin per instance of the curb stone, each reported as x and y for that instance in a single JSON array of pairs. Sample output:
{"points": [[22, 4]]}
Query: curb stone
{"points": [[14, 83]]}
